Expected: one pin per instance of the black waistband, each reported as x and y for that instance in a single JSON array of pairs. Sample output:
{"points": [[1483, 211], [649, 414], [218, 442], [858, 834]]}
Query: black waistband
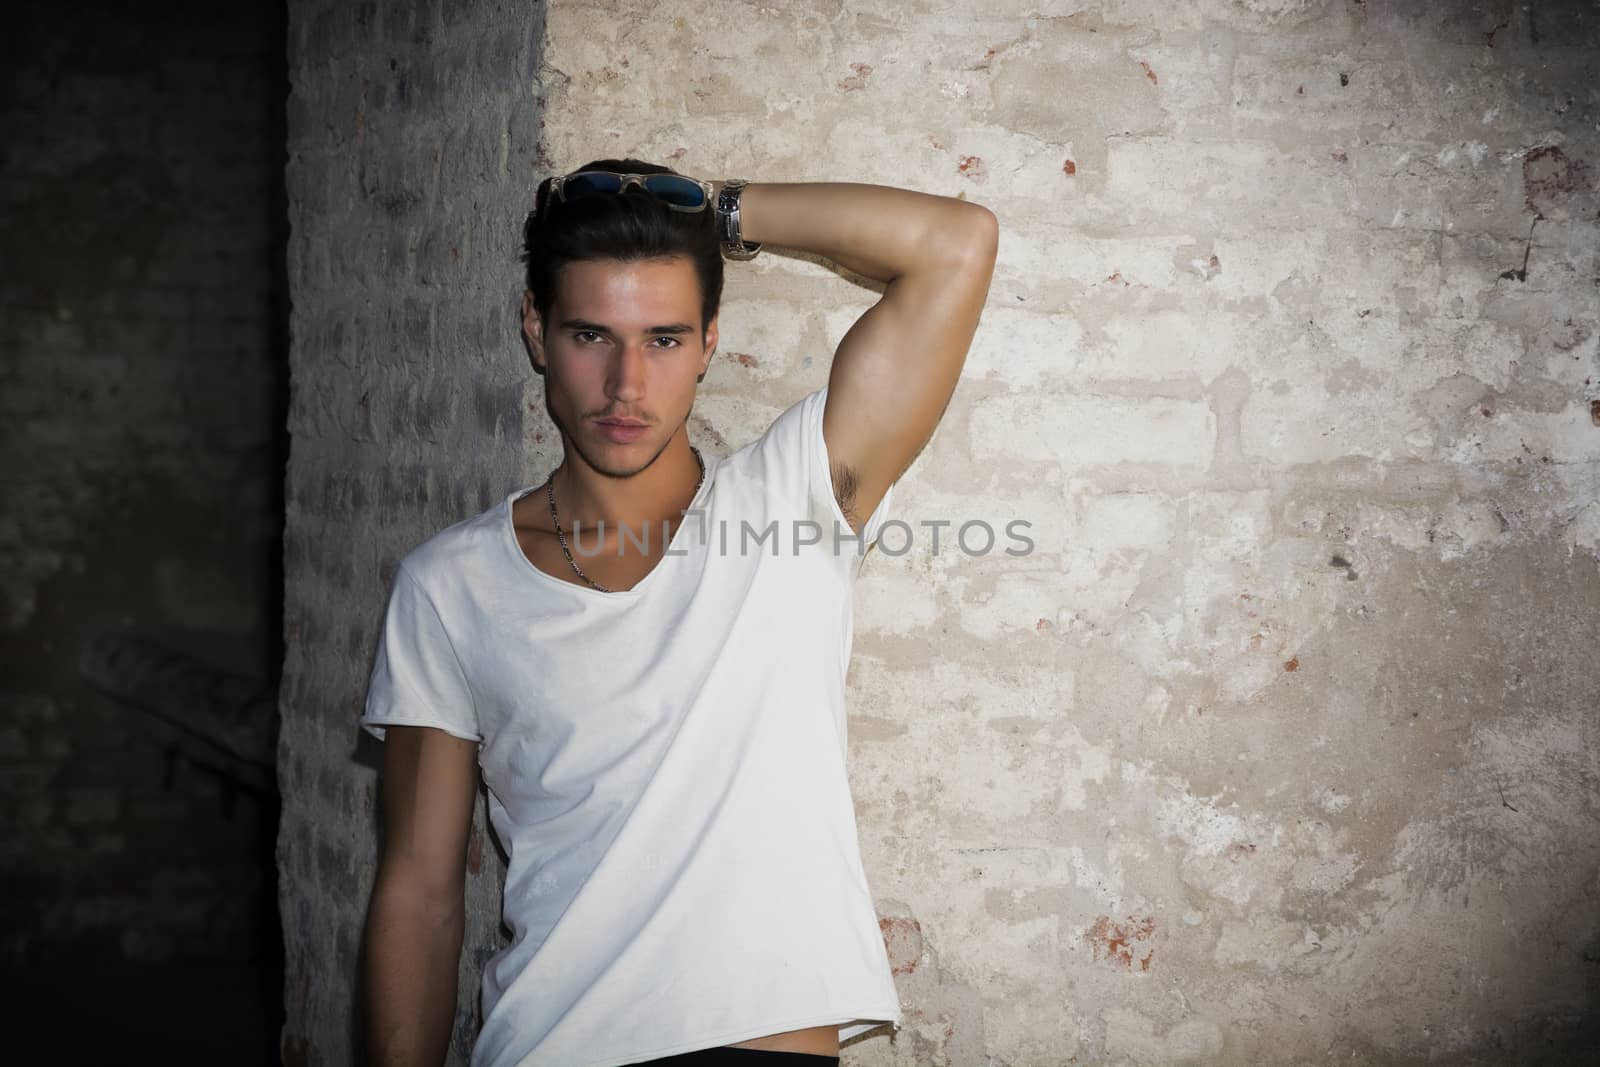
{"points": [[729, 1056]]}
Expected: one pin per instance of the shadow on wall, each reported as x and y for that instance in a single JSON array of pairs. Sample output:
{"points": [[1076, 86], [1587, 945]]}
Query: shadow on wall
{"points": [[143, 346]]}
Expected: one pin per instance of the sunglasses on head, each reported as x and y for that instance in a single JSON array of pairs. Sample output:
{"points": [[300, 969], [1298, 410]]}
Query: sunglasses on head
{"points": [[676, 191]]}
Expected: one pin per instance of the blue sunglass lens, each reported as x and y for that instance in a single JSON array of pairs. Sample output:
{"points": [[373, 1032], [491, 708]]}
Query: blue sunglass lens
{"points": [[676, 190], [590, 182], [673, 189]]}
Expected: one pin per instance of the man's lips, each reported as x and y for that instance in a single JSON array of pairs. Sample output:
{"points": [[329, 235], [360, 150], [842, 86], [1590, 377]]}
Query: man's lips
{"points": [[622, 431]]}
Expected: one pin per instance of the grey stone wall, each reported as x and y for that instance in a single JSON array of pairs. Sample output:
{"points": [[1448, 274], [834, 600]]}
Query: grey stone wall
{"points": [[412, 137], [1280, 745]]}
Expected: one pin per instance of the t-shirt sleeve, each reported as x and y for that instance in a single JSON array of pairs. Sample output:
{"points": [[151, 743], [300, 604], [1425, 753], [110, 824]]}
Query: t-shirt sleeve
{"points": [[417, 678]]}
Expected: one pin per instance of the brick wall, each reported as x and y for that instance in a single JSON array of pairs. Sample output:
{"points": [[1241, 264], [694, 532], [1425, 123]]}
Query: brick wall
{"points": [[1280, 743], [412, 132]]}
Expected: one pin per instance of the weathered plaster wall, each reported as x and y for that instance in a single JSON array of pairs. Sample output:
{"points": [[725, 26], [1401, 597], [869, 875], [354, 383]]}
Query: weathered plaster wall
{"points": [[1282, 741], [1280, 745]]}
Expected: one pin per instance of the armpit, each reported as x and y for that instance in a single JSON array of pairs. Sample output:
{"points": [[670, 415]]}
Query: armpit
{"points": [[845, 487]]}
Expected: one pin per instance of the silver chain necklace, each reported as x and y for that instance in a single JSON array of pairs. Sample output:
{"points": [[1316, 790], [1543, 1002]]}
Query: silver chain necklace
{"points": [[556, 522]]}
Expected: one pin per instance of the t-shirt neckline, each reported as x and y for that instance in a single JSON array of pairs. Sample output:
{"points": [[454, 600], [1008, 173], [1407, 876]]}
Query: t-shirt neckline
{"points": [[673, 551]]}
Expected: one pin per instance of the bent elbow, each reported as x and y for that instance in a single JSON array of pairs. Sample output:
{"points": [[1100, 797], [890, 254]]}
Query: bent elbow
{"points": [[972, 238], [963, 237], [986, 236]]}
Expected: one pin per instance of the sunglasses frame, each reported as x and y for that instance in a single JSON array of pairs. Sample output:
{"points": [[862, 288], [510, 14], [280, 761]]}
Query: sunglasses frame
{"points": [[557, 188]]}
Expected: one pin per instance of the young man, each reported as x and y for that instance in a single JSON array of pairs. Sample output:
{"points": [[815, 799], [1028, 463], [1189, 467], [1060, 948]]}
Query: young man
{"points": [[646, 653]]}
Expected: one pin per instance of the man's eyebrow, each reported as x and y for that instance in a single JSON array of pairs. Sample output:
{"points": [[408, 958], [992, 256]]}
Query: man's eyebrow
{"points": [[585, 324]]}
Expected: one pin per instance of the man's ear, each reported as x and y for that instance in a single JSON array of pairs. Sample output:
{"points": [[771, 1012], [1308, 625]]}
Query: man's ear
{"points": [[533, 332], [711, 344]]}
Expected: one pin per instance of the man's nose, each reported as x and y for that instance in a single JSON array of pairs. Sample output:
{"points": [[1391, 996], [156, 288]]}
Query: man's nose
{"points": [[628, 370]]}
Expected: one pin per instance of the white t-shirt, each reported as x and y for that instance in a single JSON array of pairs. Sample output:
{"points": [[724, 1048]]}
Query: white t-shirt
{"points": [[665, 765]]}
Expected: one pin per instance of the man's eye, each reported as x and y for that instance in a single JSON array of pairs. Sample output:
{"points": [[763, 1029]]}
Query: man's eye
{"points": [[582, 335], [672, 342]]}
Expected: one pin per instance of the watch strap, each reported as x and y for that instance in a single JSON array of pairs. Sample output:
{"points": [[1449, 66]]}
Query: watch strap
{"points": [[733, 245]]}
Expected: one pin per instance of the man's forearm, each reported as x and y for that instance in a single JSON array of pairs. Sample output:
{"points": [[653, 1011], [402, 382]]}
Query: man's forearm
{"points": [[874, 230], [412, 956]]}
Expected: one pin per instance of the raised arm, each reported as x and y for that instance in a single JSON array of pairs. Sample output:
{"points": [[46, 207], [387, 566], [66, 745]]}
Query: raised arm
{"points": [[417, 915], [897, 367]]}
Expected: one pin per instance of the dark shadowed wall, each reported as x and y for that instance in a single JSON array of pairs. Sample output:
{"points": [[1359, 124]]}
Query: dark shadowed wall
{"points": [[142, 352]]}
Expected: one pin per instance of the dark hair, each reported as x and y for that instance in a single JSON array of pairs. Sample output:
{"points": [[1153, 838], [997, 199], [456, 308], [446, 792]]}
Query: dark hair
{"points": [[631, 226]]}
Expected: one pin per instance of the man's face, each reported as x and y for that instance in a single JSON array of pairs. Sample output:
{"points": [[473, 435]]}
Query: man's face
{"points": [[622, 342]]}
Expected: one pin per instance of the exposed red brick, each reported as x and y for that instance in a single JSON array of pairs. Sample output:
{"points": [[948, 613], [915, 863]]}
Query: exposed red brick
{"points": [[902, 937], [858, 80], [1120, 943]]}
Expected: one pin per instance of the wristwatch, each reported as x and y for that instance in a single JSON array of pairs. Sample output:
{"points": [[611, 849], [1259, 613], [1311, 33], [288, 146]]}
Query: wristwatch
{"points": [[733, 246]]}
